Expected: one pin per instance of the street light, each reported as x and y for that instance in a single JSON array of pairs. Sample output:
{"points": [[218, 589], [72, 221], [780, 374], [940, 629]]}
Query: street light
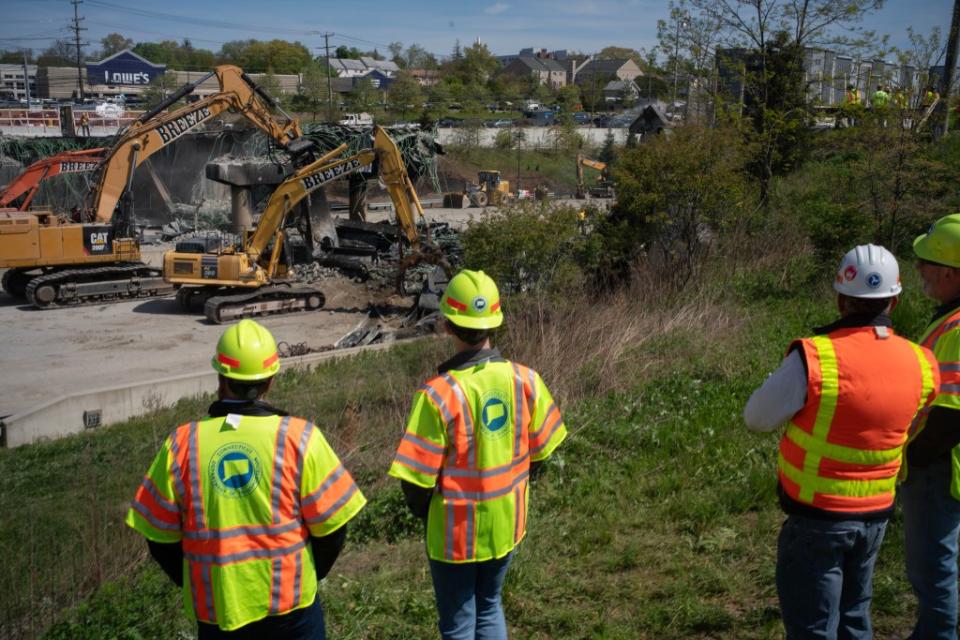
{"points": [[681, 22]]}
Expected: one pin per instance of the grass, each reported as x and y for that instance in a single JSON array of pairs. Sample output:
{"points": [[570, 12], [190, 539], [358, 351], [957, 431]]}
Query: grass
{"points": [[656, 519], [556, 168]]}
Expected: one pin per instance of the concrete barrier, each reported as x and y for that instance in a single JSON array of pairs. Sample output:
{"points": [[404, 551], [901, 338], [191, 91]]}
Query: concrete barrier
{"points": [[69, 414]]}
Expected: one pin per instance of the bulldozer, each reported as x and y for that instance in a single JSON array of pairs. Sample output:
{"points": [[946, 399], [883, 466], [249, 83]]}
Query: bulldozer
{"points": [[490, 189]]}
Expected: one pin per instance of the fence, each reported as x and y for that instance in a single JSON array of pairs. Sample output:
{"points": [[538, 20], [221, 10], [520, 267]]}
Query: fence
{"points": [[46, 122]]}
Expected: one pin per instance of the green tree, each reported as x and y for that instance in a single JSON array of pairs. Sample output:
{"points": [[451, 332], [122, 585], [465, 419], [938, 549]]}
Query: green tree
{"points": [[114, 43], [347, 53], [158, 89], [419, 58], [16, 57], [405, 95], [608, 153], [364, 96], [62, 53], [568, 96], [313, 88], [256, 56]]}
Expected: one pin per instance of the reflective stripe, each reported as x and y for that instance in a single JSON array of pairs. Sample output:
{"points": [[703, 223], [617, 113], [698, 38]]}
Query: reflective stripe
{"points": [[950, 388], [456, 304], [516, 514], [208, 591], [243, 555], [269, 361], [423, 443], [517, 410], [151, 488], [439, 403], [451, 518], [227, 360], [486, 495], [148, 515], [326, 484], [322, 517], [253, 530], [535, 434], [829, 394], [278, 456], [553, 429], [301, 457], [298, 573], [485, 473], [465, 418], [947, 367], [195, 490], [949, 322], [471, 541], [175, 469], [830, 486], [275, 588], [415, 465], [841, 453]]}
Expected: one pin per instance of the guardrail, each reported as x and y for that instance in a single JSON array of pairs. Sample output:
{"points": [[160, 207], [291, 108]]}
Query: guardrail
{"points": [[46, 122]]}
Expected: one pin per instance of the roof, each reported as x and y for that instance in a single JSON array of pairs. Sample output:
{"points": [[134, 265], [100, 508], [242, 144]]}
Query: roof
{"points": [[128, 53], [347, 64], [541, 64], [604, 66], [383, 65], [620, 85]]}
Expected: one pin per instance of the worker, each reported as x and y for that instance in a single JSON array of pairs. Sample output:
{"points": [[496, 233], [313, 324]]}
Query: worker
{"points": [[246, 509], [848, 395], [880, 98], [851, 106], [931, 493], [930, 97], [85, 124], [476, 434]]}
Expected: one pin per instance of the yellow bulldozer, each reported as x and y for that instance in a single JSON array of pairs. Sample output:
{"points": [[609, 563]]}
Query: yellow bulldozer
{"points": [[490, 189]]}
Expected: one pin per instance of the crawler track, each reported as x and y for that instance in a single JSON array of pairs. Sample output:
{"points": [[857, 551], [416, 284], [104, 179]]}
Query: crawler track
{"points": [[96, 285], [264, 301]]}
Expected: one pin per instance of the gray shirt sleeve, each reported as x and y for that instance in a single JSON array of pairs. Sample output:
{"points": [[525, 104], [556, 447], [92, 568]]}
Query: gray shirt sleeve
{"points": [[781, 396]]}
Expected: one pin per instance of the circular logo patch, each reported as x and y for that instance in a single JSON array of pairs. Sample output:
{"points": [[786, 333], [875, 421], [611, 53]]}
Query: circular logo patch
{"points": [[479, 304], [494, 415], [850, 273], [235, 470], [874, 280]]}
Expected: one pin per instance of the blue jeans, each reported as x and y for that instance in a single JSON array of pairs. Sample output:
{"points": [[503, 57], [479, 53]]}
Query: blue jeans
{"points": [[825, 577], [931, 522], [468, 599], [301, 624]]}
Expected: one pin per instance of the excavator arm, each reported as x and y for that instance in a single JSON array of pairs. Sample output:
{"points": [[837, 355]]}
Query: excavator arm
{"points": [[394, 175], [27, 184], [155, 130]]}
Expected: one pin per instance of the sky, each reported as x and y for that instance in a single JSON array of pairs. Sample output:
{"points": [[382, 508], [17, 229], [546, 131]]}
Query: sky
{"points": [[505, 26]]}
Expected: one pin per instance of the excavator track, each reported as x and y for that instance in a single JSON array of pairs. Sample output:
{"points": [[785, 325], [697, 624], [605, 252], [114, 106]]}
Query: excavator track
{"points": [[264, 301], [96, 285]]}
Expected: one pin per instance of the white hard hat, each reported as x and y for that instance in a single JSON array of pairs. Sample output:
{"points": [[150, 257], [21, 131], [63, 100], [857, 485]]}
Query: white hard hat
{"points": [[868, 271]]}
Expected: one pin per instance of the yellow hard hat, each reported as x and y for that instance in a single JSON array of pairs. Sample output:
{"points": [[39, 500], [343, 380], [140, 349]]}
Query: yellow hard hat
{"points": [[471, 300], [246, 351], [941, 243]]}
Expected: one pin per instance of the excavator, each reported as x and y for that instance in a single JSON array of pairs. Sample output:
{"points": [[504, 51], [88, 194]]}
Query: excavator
{"points": [[257, 277], [604, 186], [27, 184], [53, 262]]}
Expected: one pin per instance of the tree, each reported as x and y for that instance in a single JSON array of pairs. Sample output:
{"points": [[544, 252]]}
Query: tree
{"points": [[182, 56], [62, 53], [608, 153], [114, 43], [363, 97], [419, 58], [347, 53], [314, 87], [16, 56], [405, 94], [396, 54], [568, 96], [158, 89], [256, 56]]}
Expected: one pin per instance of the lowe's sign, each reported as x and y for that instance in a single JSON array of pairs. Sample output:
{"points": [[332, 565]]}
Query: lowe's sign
{"points": [[124, 68]]}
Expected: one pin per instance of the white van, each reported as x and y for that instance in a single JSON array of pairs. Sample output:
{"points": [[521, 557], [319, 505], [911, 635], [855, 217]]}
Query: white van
{"points": [[356, 119]]}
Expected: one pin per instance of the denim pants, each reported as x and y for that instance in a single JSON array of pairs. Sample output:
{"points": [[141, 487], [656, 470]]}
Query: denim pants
{"points": [[468, 599], [825, 577], [931, 522], [302, 624]]}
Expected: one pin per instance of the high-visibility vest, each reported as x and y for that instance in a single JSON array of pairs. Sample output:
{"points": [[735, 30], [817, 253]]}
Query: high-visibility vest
{"points": [[841, 452], [472, 434], [243, 495], [853, 97], [942, 337]]}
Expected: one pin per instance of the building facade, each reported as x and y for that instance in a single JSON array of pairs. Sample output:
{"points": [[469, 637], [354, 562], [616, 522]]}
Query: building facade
{"points": [[13, 85]]}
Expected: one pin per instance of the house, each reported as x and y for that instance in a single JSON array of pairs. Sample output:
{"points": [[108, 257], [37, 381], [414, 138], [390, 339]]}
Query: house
{"points": [[617, 90], [349, 68], [545, 71], [611, 69], [652, 121], [426, 77], [388, 67], [378, 79]]}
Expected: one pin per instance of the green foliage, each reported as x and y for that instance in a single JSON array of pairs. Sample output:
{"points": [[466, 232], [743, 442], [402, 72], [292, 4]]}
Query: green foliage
{"points": [[530, 247], [259, 56], [386, 518], [608, 153], [113, 43], [405, 95], [180, 56], [504, 140]]}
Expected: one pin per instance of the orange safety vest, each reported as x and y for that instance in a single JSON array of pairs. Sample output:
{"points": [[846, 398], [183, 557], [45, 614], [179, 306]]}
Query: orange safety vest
{"points": [[841, 452]]}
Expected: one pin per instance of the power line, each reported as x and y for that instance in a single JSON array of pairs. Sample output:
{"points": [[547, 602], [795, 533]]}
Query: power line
{"points": [[76, 30]]}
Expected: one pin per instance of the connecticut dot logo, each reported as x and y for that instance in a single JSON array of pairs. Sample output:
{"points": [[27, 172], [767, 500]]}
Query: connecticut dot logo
{"points": [[235, 470], [494, 414]]}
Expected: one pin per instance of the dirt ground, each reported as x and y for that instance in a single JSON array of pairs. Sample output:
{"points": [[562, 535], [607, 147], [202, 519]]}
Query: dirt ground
{"points": [[53, 352]]}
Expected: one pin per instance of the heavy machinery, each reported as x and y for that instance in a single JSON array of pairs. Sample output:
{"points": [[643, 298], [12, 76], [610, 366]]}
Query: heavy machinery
{"points": [[257, 277], [490, 189], [26, 185], [604, 186], [53, 262]]}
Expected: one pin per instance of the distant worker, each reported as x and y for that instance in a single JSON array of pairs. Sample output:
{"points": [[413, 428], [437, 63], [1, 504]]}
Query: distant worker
{"points": [[85, 124], [880, 98], [930, 97], [477, 433], [852, 107], [246, 509], [931, 493], [848, 395]]}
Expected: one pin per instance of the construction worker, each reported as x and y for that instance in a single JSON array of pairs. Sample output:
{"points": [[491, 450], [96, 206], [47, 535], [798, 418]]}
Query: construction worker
{"points": [[848, 395], [247, 508], [880, 98], [476, 434], [931, 493], [85, 124], [851, 107]]}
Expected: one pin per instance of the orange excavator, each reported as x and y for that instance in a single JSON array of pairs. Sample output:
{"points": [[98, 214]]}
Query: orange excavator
{"points": [[53, 262], [27, 184]]}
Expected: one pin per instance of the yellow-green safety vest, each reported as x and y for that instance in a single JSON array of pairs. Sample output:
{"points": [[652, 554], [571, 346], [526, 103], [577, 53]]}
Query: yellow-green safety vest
{"points": [[943, 338]]}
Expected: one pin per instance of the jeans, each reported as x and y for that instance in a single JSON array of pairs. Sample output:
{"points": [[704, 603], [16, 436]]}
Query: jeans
{"points": [[931, 522], [825, 577], [468, 599], [301, 624]]}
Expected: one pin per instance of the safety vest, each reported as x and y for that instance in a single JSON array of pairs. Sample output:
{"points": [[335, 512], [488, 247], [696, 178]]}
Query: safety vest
{"points": [[942, 337], [853, 97], [880, 99], [471, 435], [242, 495], [841, 452]]}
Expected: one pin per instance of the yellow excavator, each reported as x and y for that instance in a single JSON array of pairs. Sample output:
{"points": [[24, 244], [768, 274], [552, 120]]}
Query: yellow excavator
{"points": [[256, 277], [51, 261], [604, 186]]}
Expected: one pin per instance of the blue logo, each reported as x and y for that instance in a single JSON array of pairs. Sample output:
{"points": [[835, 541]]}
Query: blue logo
{"points": [[235, 470], [480, 303], [874, 280], [494, 414]]}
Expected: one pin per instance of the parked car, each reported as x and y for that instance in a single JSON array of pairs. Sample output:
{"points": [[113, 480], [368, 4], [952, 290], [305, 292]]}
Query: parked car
{"points": [[602, 122], [449, 122], [582, 117], [500, 123]]}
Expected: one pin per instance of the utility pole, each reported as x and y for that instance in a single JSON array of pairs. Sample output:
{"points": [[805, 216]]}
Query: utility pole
{"points": [[676, 60], [26, 77], [326, 42], [76, 32], [946, 84]]}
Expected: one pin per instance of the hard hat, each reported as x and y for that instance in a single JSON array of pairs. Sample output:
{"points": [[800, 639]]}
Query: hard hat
{"points": [[941, 243], [868, 271], [471, 300], [246, 351]]}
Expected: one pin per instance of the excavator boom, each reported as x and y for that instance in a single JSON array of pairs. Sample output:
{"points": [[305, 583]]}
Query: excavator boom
{"points": [[27, 184]]}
